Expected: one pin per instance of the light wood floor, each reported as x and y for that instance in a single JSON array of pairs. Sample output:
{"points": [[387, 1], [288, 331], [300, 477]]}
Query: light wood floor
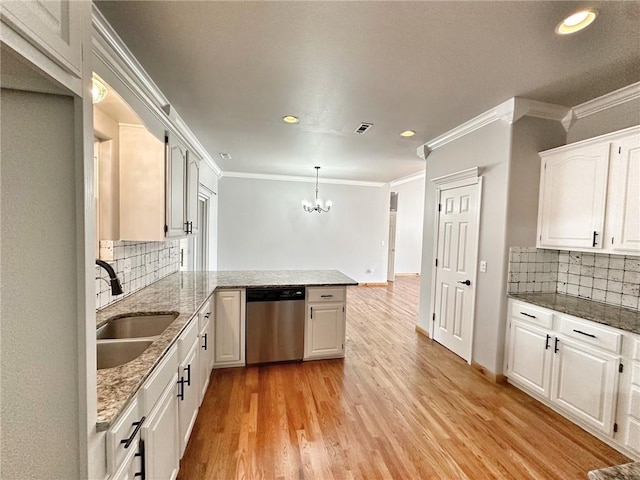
{"points": [[399, 406]]}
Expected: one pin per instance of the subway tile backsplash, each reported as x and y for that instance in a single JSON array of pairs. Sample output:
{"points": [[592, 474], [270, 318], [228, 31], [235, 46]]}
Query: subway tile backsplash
{"points": [[613, 279], [144, 262]]}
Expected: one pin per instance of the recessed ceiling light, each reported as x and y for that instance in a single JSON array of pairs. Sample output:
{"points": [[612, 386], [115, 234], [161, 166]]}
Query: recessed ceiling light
{"points": [[407, 133], [225, 156], [576, 22], [290, 119]]}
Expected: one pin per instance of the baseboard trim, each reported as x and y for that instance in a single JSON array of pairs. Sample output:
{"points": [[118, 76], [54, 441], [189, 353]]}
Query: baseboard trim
{"points": [[490, 376], [422, 331], [407, 274], [374, 284]]}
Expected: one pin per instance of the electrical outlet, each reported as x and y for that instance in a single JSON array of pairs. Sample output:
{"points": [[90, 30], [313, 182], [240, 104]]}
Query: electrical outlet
{"points": [[483, 266]]}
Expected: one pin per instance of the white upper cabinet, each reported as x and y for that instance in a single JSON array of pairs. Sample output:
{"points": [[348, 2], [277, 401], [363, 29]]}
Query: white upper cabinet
{"points": [[590, 195], [191, 193], [625, 196], [53, 34], [182, 189], [572, 197], [176, 175]]}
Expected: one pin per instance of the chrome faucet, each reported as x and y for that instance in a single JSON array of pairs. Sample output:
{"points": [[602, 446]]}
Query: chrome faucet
{"points": [[116, 288]]}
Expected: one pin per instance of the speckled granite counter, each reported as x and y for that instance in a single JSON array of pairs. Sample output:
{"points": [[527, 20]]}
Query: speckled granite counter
{"points": [[628, 471], [617, 317], [184, 293]]}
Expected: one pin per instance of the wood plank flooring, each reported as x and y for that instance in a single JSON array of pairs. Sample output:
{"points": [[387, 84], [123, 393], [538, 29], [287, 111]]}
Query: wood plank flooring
{"points": [[399, 406]]}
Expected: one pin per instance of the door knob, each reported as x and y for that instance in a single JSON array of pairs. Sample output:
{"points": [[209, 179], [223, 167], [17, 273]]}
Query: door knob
{"points": [[466, 282]]}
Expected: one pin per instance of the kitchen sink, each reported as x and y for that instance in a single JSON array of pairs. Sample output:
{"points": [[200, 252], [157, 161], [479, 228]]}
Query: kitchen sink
{"points": [[113, 354], [137, 325]]}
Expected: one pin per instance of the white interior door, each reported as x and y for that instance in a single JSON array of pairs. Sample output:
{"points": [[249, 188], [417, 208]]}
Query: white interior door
{"points": [[455, 276], [391, 263]]}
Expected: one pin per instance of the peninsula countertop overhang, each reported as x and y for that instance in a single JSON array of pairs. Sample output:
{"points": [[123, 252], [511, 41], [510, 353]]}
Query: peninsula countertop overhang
{"points": [[184, 293]]}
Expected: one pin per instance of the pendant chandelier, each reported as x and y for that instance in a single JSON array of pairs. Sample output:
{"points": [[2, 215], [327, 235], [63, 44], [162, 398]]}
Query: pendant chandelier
{"points": [[318, 206]]}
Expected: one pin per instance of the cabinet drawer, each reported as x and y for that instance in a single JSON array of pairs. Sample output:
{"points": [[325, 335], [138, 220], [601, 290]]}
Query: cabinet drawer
{"points": [[124, 427], [591, 334], [158, 380], [530, 314], [186, 339], [336, 294], [205, 314]]}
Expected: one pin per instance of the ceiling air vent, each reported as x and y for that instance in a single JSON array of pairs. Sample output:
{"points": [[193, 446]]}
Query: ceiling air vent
{"points": [[225, 156], [363, 128]]}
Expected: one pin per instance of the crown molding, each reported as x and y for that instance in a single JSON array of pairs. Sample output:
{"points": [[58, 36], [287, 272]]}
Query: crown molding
{"points": [[469, 173], [292, 178], [407, 179], [114, 53], [510, 111], [609, 100]]}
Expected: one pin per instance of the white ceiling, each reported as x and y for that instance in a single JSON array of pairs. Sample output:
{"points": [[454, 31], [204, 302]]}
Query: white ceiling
{"points": [[233, 69]]}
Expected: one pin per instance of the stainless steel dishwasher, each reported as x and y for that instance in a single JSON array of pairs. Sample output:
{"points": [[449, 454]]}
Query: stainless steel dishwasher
{"points": [[275, 325]]}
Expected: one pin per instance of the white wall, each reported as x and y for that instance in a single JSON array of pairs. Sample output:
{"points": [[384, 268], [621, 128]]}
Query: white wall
{"points": [[39, 286], [262, 226], [409, 219], [507, 155]]}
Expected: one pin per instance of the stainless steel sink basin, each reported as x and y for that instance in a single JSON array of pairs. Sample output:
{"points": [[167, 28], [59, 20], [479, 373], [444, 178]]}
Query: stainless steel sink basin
{"points": [[113, 354], [136, 325]]}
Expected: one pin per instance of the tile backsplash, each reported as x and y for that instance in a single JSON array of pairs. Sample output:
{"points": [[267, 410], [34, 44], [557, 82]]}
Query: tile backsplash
{"points": [[613, 279], [145, 262]]}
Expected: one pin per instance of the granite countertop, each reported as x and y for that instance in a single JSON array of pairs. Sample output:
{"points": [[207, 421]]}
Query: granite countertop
{"points": [[628, 471], [617, 317], [182, 293]]}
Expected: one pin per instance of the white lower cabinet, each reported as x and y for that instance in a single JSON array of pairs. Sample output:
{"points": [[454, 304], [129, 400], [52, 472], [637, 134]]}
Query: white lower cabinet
{"points": [[204, 358], [131, 466], [229, 329], [188, 394], [585, 383], [576, 367], [632, 425], [160, 436], [143, 442], [324, 332], [529, 357]]}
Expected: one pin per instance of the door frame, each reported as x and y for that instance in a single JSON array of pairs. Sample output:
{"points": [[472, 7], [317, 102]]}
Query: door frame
{"points": [[463, 178], [391, 244]]}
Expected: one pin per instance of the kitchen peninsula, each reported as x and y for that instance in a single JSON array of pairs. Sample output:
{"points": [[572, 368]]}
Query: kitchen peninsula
{"points": [[186, 294]]}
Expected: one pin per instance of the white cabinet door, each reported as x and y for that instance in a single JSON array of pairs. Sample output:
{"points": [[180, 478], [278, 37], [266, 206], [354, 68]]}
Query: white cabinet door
{"points": [[204, 360], [530, 357], [585, 383], [193, 182], [131, 467], [229, 328], [189, 395], [624, 204], [54, 26], [572, 197], [175, 193], [324, 331], [160, 434]]}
